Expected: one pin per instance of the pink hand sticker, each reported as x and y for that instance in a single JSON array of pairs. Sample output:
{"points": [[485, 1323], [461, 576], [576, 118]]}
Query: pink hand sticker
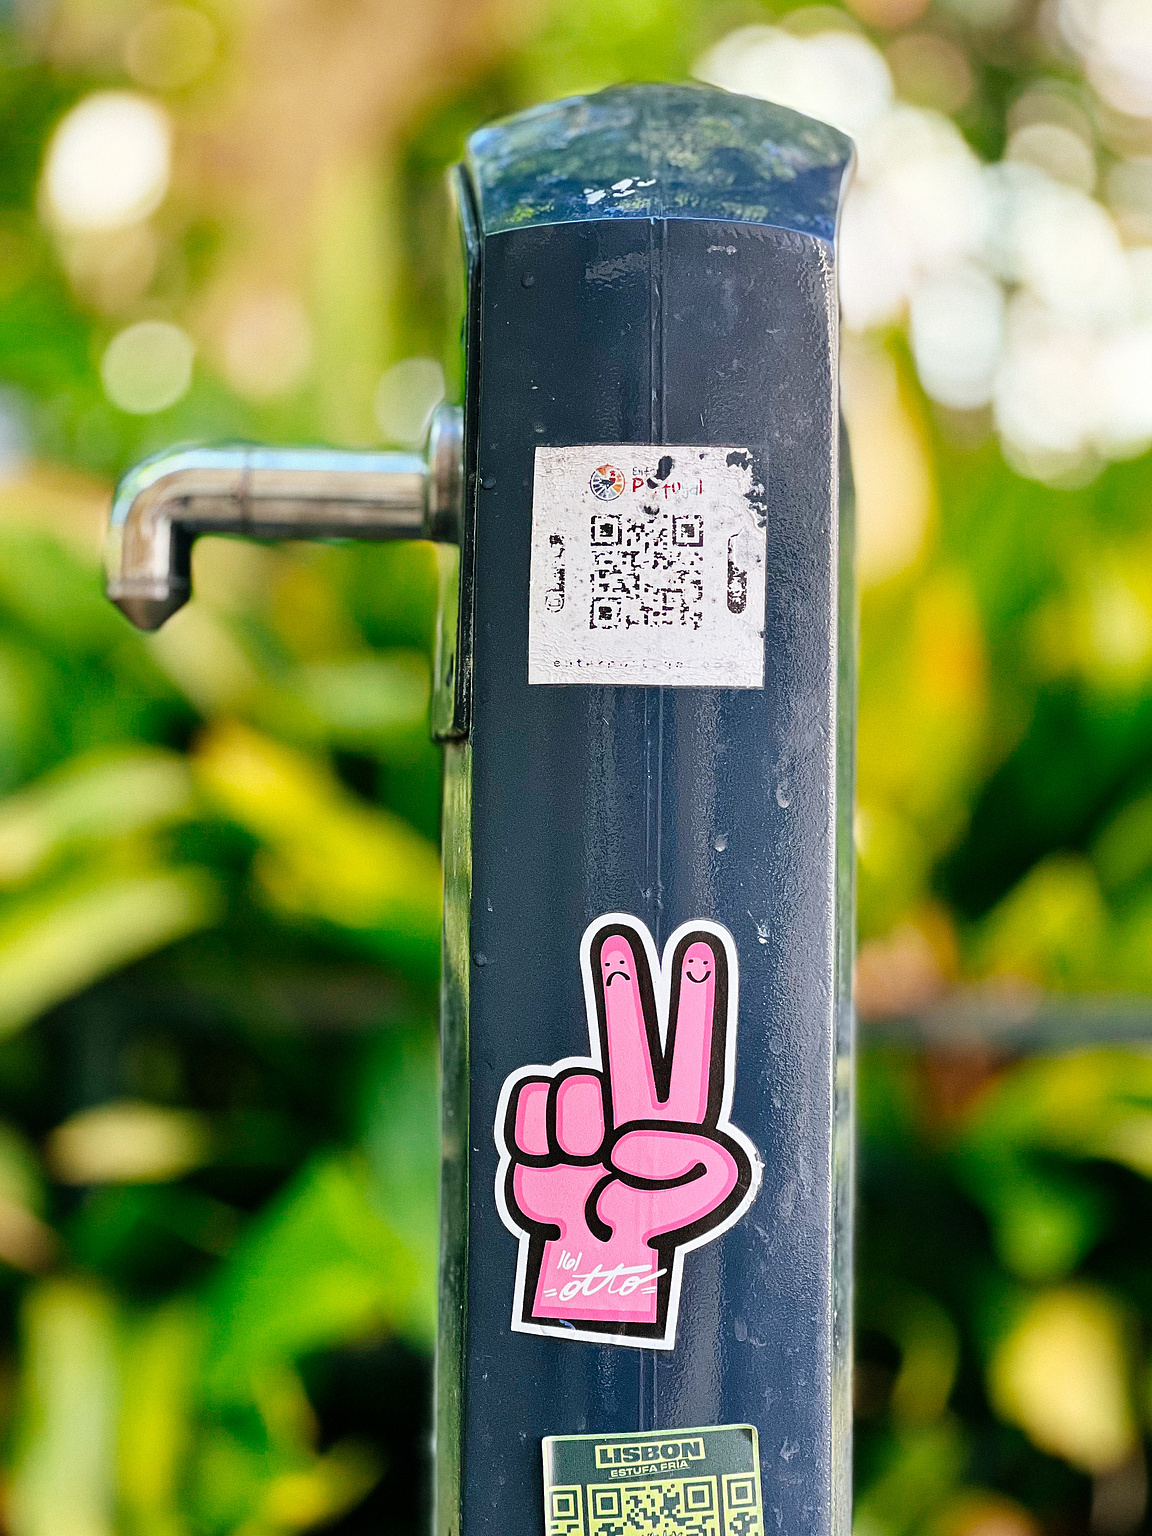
{"points": [[615, 1165]]}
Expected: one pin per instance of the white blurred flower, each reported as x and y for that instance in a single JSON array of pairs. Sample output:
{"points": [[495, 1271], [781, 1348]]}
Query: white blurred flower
{"points": [[1122, 390], [1140, 275], [876, 262], [1075, 22], [1014, 282], [1009, 188], [1067, 251], [1055, 240], [108, 162], [928, 181], [1119, 57], [1114, 40], [1042, 398], [917, 207], [836, 76], [956, 325]]}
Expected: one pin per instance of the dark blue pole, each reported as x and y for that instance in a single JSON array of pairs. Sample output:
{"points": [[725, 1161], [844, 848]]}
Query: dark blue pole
{"points": [[648, 833]]}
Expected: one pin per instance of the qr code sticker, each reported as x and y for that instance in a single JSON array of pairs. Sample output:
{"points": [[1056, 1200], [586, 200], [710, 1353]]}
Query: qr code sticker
{"points": [[647, 571], [675, 1507], [648, 566]]}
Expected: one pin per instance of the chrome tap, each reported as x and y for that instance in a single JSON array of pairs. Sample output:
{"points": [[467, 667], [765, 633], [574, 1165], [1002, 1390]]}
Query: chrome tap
{"points": [[163, 504]]}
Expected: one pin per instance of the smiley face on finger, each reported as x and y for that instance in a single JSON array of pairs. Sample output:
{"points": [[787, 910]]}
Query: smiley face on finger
{"points": [[698, 964]]}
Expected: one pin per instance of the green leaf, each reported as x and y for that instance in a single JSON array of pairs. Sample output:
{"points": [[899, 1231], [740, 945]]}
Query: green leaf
{"points": [[922, 1467], [401, 1136], [1122, 853], [62, 938], [1016, 1150], [1049, 929], [58, 598], [376, 704], [98, 796], [321, 1266]]}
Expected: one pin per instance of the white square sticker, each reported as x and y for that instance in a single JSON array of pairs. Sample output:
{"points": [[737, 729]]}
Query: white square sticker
{"points": [[647, 567]]}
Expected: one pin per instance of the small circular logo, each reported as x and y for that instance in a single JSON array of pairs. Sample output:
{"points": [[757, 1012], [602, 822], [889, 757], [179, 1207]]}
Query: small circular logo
{"points": [[607, 482]]}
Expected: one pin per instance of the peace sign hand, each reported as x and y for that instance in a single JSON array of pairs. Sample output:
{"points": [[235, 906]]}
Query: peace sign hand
{"points": [[613, 1166]]}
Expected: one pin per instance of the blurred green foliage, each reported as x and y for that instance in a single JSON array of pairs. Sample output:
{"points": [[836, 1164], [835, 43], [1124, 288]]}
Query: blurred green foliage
{"points": [[219, 893], [218, 966], [1003, 1374]]}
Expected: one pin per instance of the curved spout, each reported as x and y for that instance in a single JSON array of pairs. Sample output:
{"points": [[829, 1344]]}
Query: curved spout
{"points": [[269, 493]]}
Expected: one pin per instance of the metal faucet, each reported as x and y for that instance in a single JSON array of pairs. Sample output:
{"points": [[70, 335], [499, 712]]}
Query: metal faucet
{"points": [[163, 504]]}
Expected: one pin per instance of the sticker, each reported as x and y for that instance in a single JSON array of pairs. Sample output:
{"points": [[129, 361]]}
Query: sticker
{"points": [[672, 1482], [647, 567], [615, 1165]]}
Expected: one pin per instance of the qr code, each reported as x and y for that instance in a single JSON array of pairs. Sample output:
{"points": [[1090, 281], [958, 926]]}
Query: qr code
{"points": [[647, 570], [678, 1507], [565, 1511], [742, 1513]]}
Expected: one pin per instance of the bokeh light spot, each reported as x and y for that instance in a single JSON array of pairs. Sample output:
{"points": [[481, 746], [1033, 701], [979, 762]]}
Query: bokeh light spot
{"points": [[108, 163], [957, 326], [930, 71], [170, 47], [1058, 151], [406, 397], [1120, 55], [1128, 190], [265, 343], [836, 76], [147, 367], [1060, 1373], [888, 13]]}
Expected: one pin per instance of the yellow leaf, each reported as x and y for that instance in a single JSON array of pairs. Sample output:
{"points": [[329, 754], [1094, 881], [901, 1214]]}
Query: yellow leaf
{"points": [[336, 1482], [156, 1404], [1061, 1374], [326, 855], [1049, 927], [127, 1143]]}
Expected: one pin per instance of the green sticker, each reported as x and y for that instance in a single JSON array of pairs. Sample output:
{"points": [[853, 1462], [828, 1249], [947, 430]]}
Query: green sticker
{"points": [[674, 1482]]}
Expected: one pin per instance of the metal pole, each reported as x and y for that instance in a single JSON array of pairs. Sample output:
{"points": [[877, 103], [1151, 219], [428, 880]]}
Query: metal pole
{"points": [[648, 835]]}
